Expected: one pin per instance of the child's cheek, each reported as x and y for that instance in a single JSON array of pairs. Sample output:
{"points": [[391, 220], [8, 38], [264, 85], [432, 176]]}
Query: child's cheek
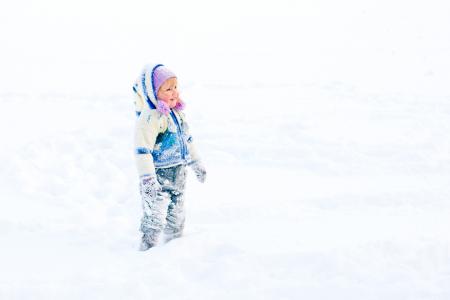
{"points": [[165, 99]]}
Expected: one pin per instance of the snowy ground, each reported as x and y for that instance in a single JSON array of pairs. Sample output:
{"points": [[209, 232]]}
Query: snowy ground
{"points": [[324, 126], [336, 196]]}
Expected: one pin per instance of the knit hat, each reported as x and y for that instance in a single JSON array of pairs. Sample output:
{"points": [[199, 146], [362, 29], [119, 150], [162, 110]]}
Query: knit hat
{"points": [[147, 85], [161, 74]]}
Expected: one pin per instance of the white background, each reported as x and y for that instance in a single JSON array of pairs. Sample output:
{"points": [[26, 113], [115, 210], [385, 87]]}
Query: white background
{"points": [[323, 125]]}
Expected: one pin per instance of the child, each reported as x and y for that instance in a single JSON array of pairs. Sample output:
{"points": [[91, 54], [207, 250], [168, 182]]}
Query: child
{"points": [[164, 148]]}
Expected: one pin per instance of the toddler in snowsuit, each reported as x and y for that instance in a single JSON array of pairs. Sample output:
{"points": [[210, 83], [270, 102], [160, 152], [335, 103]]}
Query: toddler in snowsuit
{"points": [[164, 147]]}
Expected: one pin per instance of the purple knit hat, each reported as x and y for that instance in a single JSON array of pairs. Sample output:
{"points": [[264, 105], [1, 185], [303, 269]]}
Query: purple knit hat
{"points": [[161, 74]]}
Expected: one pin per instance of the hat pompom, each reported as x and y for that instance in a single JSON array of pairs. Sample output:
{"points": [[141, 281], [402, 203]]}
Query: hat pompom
{"points": [[180, 105]]}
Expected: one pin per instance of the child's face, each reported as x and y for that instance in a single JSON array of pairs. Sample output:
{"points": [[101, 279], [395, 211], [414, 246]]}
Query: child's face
{"points": [[168, 92]]}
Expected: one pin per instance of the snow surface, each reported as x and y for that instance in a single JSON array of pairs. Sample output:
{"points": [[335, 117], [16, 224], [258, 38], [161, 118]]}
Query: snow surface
{"points": [[325, 134]]}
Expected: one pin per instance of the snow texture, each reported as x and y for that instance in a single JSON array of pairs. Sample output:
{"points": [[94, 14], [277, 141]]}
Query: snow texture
{"points": [[323, 125]]}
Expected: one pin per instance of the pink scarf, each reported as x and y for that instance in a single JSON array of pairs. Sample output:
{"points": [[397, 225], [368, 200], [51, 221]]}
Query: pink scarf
{"points": [[163, 108]]}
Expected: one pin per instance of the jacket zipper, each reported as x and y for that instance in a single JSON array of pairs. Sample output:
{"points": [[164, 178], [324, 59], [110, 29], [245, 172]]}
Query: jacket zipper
{"points": [[183, 150]]}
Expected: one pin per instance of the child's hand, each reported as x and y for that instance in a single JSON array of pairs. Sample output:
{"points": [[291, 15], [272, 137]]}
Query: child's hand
{"points": [[150, 186], [199, 171]]}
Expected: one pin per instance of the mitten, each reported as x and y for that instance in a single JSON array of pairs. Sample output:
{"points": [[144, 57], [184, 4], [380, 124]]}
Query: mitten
{"points": [[150, 186], [199, 170]]}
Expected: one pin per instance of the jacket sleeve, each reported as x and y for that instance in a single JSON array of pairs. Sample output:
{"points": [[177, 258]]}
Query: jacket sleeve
{"points": [[193, 151], [148, 126]]}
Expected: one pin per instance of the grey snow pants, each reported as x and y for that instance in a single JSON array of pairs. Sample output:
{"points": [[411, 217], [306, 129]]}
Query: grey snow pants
{"points": [[164, 215]]}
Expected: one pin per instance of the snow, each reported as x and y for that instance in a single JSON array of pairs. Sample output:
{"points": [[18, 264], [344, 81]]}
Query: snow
{"points": [[326, 146]]}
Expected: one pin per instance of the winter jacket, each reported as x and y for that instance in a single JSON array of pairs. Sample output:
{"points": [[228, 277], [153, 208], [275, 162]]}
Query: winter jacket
{"points": [[161, 140]]}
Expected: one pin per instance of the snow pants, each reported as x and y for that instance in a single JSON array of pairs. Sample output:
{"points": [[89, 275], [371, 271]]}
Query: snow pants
{"points": [[164, 215]]}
